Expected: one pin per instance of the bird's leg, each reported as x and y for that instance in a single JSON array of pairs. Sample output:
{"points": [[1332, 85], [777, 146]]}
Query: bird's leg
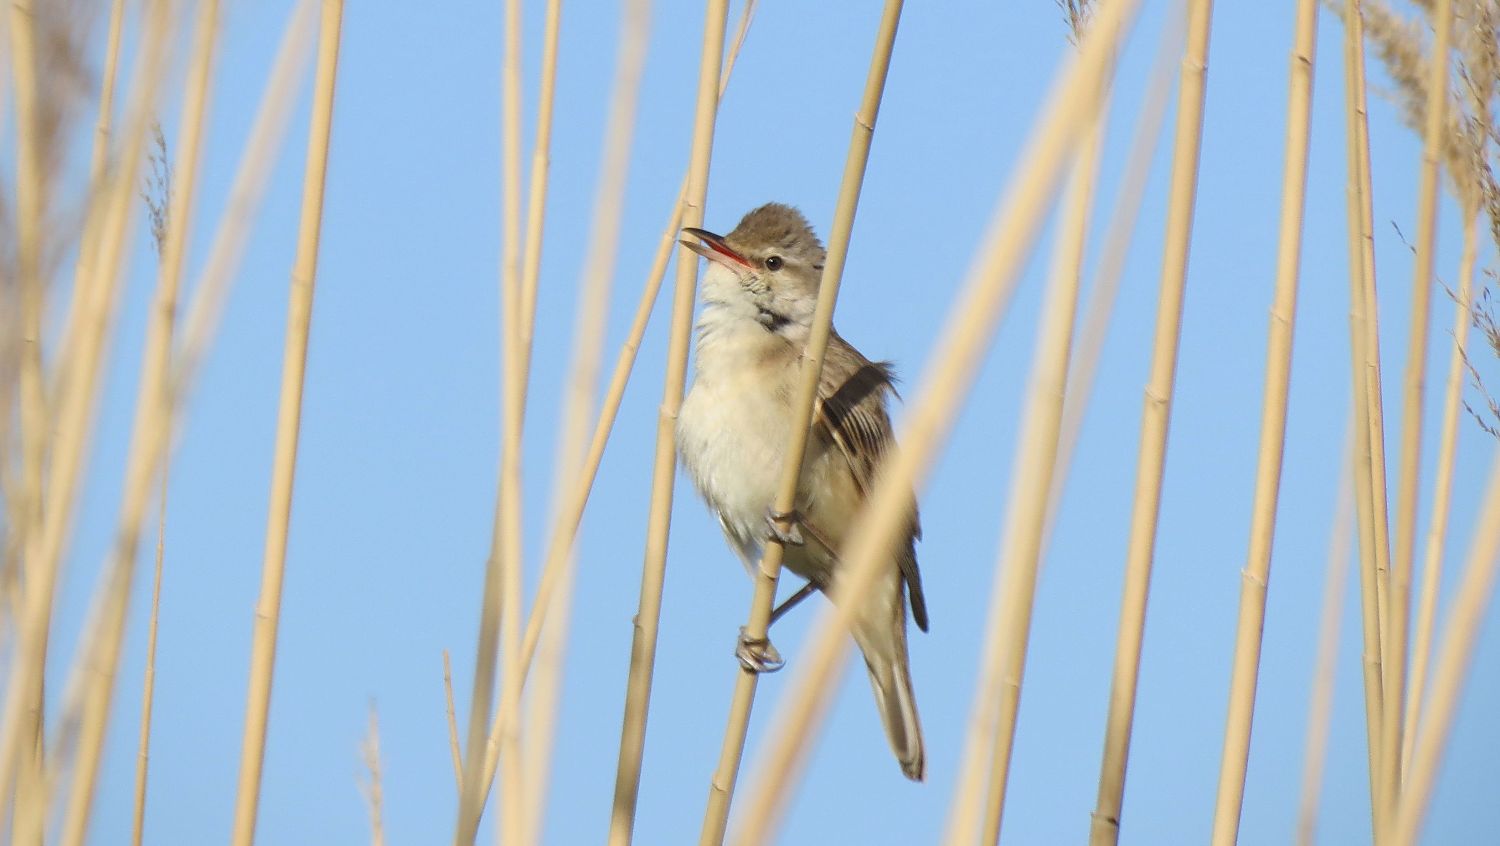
{"points": [[793, 601], [756, 654]]}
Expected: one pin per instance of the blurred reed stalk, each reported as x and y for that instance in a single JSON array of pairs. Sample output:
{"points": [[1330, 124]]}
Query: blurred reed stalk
{"points": [[1084, 361], [664, 467], [767, 574], [1320, 702], [499, 624], [1461, 633], [1156, 412], [288, 427], [1255, 580], [591, 320], [1024, 535], [1442, 490], [20, 727], [1364, 350], [1434, 136], [570, 515]]}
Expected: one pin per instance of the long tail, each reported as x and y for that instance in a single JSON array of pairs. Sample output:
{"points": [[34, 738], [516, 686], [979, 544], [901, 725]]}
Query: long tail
{"points": [[884, 647]]}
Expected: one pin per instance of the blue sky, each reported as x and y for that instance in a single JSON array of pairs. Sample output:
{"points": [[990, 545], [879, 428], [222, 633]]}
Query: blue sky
{"points": [[400, 430]]}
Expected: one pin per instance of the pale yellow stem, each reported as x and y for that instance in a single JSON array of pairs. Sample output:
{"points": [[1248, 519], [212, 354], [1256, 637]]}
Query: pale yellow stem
{"points": [[1369, 445], [664, 465], [1442, 487], [972, 323], [1257, 574], [1460, 634], [1414, 388], [1320, 703], [565, 523], [288, 428], [721, 786], [148, 682], [500, 603]]}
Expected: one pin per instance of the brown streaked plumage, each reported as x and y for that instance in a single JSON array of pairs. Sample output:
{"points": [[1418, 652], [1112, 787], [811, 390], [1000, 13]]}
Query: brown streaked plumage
{"points": [[759, 292]]}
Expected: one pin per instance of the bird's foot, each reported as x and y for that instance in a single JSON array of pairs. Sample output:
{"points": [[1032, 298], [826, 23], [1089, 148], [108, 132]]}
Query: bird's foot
{"points": [[791, 535], [756, 654]]}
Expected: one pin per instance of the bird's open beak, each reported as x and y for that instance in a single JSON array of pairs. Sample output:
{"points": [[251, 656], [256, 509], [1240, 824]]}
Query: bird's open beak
{"points": [[713, 248]]}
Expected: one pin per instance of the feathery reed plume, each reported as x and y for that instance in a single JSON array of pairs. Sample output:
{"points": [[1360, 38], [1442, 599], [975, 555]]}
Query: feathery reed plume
{"points": [[288, 426], [1256, 576], [1320, 702], [767, 574], [664, 465]]}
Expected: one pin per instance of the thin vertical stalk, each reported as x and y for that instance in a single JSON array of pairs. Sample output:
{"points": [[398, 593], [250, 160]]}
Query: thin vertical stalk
{"points": [[500, 600], [664, 465], [1369, 446], [83, 287], [1156, 413], [1471, 600], [1255, 579], [148, 682], [288, 427], [1414, 385], [150, 411], [588, 347], [1320, 703], [1083, 363], [972, 323], [30, 212], [536, 201], [570, 516], [721, 786], [1036, 454], [73, 419], [1442, 489]]}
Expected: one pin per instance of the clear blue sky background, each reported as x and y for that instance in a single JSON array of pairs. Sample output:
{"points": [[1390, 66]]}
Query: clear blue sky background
{"points": [[400, 430]]}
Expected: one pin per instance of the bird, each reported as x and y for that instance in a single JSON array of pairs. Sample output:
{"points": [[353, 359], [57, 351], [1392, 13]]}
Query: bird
{"points": [[758, 293]]}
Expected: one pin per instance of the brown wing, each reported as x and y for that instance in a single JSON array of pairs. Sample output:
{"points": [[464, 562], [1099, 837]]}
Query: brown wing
{"points": [[850, 412]]}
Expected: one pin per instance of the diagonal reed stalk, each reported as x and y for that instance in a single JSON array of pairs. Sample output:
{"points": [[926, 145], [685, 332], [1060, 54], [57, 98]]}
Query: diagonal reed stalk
{"points": [[1320, 703], [1083, 362], [721, 786], [664, 465], [972, 323], [1155, 421], [1364, 351], [1255, 579], [1036, 450], [288, 427], [1394, 649], [1442, 488], [148, 681], [570, 516], [20, 723], [1461, 633], [500, 609], [588, 348]]}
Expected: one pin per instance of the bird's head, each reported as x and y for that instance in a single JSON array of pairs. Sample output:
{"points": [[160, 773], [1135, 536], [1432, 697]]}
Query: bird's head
{"points": [[767, 269]]}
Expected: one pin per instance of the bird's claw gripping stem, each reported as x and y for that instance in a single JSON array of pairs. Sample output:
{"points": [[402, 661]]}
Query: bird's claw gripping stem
{"points": [[756, 654]]}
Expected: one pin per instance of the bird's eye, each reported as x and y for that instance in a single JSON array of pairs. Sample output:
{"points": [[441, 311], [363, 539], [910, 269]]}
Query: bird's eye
{"points": [[773, 263]]}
